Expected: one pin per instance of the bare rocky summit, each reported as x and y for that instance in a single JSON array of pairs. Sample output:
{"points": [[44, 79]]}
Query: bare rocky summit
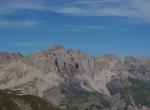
{"points": [[6, 57], [73, 80]]}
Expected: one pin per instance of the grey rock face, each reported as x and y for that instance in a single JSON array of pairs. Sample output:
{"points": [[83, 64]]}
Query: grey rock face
{"points": [[9, 57], [61, 75]]}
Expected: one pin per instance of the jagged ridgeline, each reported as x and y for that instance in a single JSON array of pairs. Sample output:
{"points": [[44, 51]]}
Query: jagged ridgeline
{"points": [[74, 80]]}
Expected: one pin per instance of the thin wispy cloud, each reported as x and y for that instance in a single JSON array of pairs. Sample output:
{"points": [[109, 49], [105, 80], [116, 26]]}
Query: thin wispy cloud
{"points": [[138, 9], [130, 8], [84, 28], [19, 24], [12, 6]]}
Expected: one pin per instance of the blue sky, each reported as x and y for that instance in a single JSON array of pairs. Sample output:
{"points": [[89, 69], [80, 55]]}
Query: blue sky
{"points": [[94, 26]]}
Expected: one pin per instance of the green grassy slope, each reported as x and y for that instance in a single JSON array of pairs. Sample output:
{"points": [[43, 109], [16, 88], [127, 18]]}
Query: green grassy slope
{"points": [[23, 102], [140, 91]]}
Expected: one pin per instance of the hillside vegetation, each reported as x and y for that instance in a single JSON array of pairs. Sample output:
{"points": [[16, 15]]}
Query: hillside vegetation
{"points": [[9, 101]]}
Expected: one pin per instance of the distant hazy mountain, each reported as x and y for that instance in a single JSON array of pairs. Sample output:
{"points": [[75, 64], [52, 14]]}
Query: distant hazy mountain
{"points": [[73, 80]]}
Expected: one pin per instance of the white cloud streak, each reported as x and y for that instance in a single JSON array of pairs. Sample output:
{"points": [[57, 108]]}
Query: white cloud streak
{"points": [[22, 24], [138, 9], [11, 6], [84, 28], [130, 8]]}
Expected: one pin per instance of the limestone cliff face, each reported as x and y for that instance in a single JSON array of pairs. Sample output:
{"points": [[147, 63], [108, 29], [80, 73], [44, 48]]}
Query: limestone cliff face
{"points": [[58, 71]]}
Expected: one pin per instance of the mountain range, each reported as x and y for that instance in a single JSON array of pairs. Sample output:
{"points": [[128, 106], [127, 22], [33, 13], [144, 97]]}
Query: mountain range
{"points": [[74, 80]]}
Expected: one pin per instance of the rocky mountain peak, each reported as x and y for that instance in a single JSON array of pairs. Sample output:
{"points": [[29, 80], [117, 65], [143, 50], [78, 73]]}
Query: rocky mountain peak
{"points": [[6, 57], [58, 73], [130, 60], [108, 58], [56, 47]]}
